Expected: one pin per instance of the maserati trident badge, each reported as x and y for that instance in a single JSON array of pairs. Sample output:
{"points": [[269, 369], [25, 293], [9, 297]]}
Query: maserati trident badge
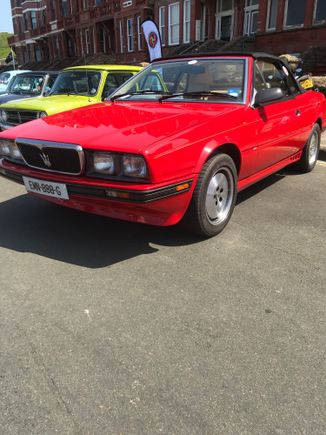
{"points": [[46, 160]]}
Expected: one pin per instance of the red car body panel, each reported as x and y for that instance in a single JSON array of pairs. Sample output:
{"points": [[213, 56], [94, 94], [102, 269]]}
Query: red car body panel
{"points": [[176, 139]]}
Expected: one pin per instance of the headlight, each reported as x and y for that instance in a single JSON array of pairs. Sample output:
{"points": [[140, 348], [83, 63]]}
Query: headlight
{"points": [[42, 114], [14, 152], [10, 149], [134, 166], [103, 163], [5, 148], [4, 116]]}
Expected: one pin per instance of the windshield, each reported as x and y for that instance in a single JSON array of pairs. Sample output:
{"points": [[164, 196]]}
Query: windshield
{"points": [[27, 85], [77, 82], [212, 80]]}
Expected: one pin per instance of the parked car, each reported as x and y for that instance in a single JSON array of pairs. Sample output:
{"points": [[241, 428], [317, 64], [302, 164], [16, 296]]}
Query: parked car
{"points": [[176, 142], [6, 77], [75, 87], [28, 85]]}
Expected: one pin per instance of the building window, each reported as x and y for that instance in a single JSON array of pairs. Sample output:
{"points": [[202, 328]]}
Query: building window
{"points": [[161, 21], [37, 53], [43, 17], [21, 24], [130, 34], [225, 5], [320, 11], [87, 41], [16, 25], [139, 35], [272, 14], [186, 21], [33, 20], [174, 23], [121, 36], [53, 10], [65, 8], [294, 13]]}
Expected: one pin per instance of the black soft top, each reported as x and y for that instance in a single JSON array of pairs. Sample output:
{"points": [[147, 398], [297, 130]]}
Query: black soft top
{"points": [[254, 55]]}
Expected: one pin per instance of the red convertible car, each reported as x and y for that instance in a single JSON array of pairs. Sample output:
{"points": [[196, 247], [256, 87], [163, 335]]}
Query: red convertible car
{"points": [[176, 142]]}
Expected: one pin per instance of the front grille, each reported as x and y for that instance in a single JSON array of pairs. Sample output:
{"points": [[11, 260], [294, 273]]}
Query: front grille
{"points": [[16, 117], [52, 156]]}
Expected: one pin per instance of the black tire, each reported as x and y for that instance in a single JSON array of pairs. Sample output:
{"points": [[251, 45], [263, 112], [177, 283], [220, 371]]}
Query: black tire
{"points": [[310, 152], [214, 197]]}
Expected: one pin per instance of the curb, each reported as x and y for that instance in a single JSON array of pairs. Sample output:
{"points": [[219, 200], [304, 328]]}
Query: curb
{"points": [[323, 142]]}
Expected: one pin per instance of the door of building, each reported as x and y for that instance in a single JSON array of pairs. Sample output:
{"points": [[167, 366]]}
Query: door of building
{"points": [[226, 28], [224, 20]]}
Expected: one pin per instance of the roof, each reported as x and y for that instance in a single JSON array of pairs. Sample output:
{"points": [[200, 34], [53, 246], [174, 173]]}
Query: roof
{"points": [[33, 73], [255, 55], [105, 67]]}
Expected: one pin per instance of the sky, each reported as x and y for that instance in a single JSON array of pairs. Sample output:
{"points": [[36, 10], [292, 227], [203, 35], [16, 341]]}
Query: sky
{"points": [[5, 17]]}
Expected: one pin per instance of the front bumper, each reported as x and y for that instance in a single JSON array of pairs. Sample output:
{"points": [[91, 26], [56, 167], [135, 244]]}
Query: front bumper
{"points": [[160, 205]]}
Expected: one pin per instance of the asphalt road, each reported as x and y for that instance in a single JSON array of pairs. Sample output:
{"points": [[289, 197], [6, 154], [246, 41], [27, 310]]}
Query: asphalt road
{"points": [[115, 328]]}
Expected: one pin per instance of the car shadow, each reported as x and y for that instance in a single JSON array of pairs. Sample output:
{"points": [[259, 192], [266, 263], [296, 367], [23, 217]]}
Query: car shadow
{"points": [[322, 155], [29, 224], [246, 194]]}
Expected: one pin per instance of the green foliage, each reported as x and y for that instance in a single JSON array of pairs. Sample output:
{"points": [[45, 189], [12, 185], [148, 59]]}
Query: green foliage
{"points": [[4, 47]]}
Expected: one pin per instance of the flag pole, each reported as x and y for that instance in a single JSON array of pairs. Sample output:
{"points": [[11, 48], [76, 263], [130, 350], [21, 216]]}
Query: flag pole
{"points": [[13, 59]]}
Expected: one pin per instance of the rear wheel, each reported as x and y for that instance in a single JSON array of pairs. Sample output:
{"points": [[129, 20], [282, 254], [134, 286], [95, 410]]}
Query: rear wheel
{"points": [[310, 152], [214, 197]]}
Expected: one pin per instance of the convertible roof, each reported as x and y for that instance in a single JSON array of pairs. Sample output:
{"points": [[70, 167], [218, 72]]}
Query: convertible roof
{"points": [[255, 55]]}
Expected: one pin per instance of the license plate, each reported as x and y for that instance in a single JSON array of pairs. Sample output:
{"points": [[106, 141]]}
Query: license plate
{"points": [[47, 188]]}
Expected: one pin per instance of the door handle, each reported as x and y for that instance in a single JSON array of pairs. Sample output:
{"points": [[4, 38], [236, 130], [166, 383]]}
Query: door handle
{"points": [[297, 112]]}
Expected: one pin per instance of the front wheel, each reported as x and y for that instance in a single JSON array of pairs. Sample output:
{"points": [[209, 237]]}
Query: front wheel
{"points": [[310, 152], [214, 197]]}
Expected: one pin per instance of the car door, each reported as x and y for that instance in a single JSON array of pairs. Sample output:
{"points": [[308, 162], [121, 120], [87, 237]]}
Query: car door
{"points": [[277, 126]]}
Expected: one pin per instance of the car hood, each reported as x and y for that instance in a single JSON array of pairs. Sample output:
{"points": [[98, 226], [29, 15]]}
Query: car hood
{"points": [[52, 104], [3, 89], [5, 98], [123, 126]]}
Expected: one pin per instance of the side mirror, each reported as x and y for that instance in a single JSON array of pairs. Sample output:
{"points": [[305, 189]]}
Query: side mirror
{"points": [[267, 95]]}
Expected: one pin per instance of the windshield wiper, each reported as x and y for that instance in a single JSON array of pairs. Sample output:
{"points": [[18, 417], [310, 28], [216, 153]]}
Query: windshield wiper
{"points": [[200, 94], [143, 92]]}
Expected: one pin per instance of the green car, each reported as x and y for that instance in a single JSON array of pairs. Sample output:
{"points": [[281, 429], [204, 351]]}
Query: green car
{"points": [[74, 87]]}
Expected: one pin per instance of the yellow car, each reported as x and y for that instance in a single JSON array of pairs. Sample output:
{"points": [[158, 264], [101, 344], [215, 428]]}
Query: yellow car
{"points": [[75, 87]]}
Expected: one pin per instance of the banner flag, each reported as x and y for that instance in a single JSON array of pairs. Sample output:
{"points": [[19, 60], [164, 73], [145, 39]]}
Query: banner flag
{"points": [[153, 39]]}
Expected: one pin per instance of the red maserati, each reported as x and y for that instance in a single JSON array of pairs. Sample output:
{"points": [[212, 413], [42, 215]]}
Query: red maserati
{"points": [[176, 142]]}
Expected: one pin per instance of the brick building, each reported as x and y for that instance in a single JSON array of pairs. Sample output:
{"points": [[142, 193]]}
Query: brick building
{"points": [[291, 25], [49, 30]]}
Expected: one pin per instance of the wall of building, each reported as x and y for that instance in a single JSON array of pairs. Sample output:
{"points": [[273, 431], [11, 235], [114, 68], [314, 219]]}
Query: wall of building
{"points": [[310, 33], [47, 31]]}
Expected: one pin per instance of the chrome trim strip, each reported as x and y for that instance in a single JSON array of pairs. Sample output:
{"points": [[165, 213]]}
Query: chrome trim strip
{"points": [[42, 145]]}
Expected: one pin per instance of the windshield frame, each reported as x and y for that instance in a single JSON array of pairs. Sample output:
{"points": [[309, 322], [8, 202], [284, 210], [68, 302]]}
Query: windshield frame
{"points": [[123, 97]]}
